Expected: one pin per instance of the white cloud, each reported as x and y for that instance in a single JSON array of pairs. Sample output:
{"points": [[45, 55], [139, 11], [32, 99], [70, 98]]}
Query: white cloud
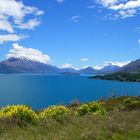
{"points": [[107, 3], [31, 24], [60, 1], [117, 63], [13, 15], [18, 51], [127, 13], [84, 59], [11, 38], [128, 5], [107, 63], [139, 41], [98, 67], [39, 12], [16, 9], [6, 26], [75, 18], [67, 65], [121, 8]]}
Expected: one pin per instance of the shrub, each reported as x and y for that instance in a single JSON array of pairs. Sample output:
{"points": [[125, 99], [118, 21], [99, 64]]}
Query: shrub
{"points": [[93, 107], [83, 109], [96, 108], [55, 112], [131, 103], [19, 112], [100, 112], [128, 100]]}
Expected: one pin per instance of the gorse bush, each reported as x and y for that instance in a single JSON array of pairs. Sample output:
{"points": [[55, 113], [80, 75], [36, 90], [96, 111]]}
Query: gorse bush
{"points": [[92, 107], [83, 109], [96, 108], [20, 112], [131, 103], [55, 112]]}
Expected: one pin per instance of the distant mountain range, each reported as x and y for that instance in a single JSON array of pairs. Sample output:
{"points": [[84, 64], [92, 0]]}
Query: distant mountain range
{"points": [[105, 70], [130, 72], [133, 67], [87, 71], [17, 65], [23, 65]]}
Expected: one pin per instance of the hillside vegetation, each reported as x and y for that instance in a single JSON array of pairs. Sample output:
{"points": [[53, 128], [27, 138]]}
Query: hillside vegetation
{"points": [[120, 76], [106, 119]]}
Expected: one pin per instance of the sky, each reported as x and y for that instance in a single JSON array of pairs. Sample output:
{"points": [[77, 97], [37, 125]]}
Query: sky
{"points": [[71, 33]]}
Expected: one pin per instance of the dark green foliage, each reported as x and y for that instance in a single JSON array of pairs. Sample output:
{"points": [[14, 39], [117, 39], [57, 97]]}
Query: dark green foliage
{"points": [[120, 76]]}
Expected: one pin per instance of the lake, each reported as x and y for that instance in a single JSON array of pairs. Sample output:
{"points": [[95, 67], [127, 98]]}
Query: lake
{"points": [[39, 91]]}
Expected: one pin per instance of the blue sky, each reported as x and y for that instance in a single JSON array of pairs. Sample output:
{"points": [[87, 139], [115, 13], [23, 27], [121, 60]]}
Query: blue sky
{"points": [[74, 32]]}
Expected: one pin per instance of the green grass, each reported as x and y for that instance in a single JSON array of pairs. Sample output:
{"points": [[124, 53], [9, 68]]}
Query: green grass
{"points": [[121, 122]]}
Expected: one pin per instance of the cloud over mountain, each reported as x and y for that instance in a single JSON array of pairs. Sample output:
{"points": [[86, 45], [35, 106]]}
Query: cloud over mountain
{"points": [[18, 51], [107, 63]]}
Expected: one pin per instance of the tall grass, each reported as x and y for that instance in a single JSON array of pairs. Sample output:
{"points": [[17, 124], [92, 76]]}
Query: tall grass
{"points": [[120, 122]]}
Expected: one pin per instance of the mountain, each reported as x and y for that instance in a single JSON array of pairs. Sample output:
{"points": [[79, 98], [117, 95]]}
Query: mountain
{"points": [[129, 72], [91, 71], [24, 65], [70, 74], [109, 69], [18, 65], [132, 67], [87, 70], [70, 70]]}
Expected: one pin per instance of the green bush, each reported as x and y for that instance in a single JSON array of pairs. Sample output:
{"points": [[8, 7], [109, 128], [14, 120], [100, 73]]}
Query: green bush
{"points": [[55, 112], [96, 108], [19, 112], [128, 100], [83, 109], [131, 103], [92, 107]]}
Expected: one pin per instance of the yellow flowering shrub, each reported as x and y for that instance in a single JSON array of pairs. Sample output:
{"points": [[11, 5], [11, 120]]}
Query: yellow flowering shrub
{"points": [[92, 107], [21, 112], [83, 109], [55, 112]]}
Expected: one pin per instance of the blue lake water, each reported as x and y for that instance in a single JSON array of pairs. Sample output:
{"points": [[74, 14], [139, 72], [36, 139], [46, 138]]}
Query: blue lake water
{"points": [[39, 91]]}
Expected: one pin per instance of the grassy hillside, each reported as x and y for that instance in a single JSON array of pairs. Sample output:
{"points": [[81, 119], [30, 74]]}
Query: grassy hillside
{"points": [[106, 119]]}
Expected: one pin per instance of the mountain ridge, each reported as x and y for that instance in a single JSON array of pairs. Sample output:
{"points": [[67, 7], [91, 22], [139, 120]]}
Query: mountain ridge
{"points": [[130, 72], [23, 65]]}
